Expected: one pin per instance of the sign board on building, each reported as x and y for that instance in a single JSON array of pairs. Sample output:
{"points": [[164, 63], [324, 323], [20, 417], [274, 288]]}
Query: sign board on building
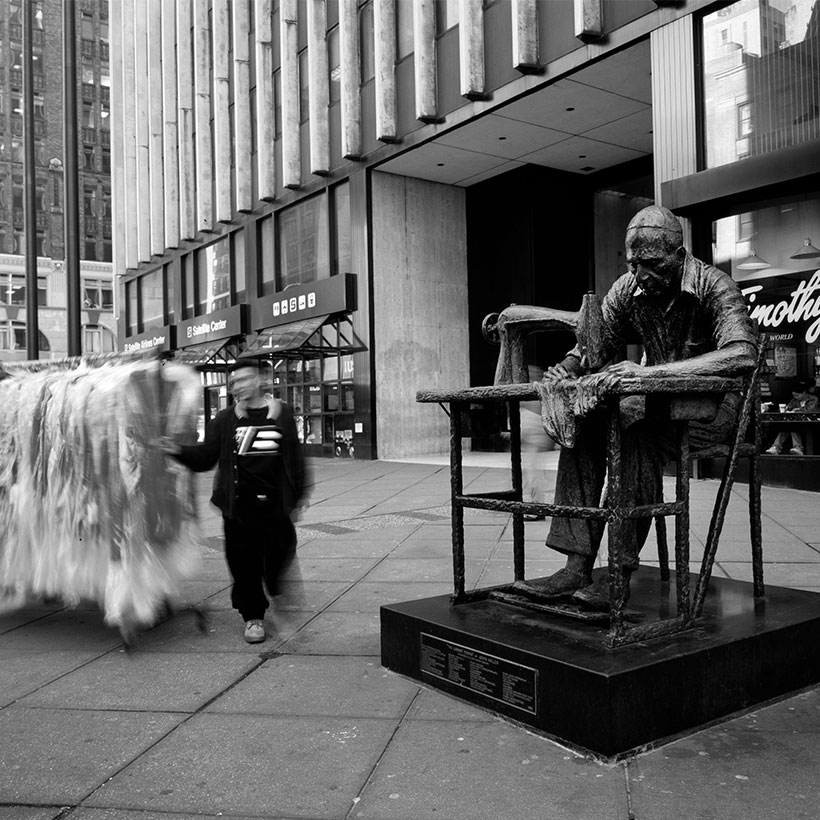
{"points": [[159, 339], [221, 324], [786, 305], [319, 298]]}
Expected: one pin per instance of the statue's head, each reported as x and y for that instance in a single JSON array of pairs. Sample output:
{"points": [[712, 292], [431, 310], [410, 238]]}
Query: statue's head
{"points": [[654, 250]]}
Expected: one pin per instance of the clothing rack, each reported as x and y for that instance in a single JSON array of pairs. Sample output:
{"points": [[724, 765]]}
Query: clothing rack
{"points": [[71, 362]]}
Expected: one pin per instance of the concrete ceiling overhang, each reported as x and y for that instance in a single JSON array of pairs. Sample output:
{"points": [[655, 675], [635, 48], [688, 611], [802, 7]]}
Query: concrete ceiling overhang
{"points": [[600, 117]]}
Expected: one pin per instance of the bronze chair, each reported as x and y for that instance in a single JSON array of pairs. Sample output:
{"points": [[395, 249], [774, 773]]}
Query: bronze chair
{"points": [[747, 443]]}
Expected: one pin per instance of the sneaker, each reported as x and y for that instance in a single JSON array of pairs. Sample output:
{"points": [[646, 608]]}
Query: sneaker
{"points": [[773, 451], [796, 451], [255, 631]]}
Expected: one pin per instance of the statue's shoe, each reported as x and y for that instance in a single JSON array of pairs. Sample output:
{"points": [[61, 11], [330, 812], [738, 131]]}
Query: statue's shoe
{"points": [[596, 595], [563, 582]]}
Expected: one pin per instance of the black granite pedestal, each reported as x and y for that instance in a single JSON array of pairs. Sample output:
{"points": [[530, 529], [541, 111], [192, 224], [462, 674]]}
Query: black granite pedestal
{"points": [[557, 676]]}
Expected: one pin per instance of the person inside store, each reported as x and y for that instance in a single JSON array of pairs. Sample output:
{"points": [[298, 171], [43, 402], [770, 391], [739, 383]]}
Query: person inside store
{"points": [[803, 400], [260, 484], [691, 320]]}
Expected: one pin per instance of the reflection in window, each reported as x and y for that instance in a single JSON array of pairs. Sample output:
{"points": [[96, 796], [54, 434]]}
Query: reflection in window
{"points": [[761, 78], [13, 289], [98, 339], [342, 259], [13, 337], [151, 300], [213, 273], [333, 65], [303, 243], [97, 294]]}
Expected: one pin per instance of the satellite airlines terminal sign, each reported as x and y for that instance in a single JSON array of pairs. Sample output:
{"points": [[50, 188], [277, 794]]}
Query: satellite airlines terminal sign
{"points": [[160, 339], [221, 324], [319, 298], [786, 303]]}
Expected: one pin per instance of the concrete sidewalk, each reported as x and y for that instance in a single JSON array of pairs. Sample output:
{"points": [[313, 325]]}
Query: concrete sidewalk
{"points": [[308, 724]]}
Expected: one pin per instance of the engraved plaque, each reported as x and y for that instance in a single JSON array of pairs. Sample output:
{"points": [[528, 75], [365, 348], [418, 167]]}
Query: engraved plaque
{"points": [[505, 681]]}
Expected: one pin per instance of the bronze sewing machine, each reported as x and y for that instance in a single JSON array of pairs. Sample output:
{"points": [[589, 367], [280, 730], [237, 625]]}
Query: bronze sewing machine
{"points": [[511, 327]]}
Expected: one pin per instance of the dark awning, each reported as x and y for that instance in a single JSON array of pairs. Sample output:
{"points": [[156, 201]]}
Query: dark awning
{"points": [[319, 335]]}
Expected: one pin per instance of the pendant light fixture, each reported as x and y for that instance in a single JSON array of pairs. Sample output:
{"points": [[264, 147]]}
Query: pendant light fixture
{"points": [[753, 262], [806, 251]]}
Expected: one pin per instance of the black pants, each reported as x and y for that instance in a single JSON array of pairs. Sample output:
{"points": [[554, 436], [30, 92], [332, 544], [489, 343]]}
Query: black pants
{"points": [[259, 545]]}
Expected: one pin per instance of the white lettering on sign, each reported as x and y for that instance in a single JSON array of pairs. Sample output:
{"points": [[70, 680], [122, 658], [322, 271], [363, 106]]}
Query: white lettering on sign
{"points": [[803, 306], [144, 344], [213, 326], [294, 304]]}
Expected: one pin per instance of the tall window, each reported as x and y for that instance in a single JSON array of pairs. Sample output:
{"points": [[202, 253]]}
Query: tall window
{"points": [[213, 276], [151, 300], [761, 72], [13, 337], [303, 242]]}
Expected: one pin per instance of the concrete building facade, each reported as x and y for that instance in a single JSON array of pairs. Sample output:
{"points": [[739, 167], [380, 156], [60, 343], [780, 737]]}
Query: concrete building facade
{"points": [[345, 188]]}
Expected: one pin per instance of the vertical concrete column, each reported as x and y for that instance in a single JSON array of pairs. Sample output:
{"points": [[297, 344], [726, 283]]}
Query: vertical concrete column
{"points": [[202, 117], [170, 151], [155, 160], [674, 109], [589, 19], [129, 119], [471, 48], [289, 96], [351, 104], [118, 136], [143, 131], [220, 36], [318, 92], [419, 306], [185, 120], [242, 125], [424, 36], [384, 32], [525, 50], [265, 122]]}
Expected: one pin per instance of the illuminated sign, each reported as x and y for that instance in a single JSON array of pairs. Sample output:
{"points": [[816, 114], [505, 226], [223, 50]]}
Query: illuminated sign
{"points": [[777, 302]]}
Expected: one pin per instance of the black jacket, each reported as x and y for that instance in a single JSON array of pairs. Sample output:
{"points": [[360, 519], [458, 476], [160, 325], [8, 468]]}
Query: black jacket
{"points": [[218, 448]]}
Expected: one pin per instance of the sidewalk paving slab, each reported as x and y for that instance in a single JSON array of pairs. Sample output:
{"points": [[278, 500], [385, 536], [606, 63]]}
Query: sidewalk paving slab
{"points": [[58, 756], [258, 765], [339, 687]]}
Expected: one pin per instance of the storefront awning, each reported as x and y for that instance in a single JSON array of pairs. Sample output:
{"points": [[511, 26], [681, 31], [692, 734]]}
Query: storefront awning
{"points": [[319, 336], [213, 354]]}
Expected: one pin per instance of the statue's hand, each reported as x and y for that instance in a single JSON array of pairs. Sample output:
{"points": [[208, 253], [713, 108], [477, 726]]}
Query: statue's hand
{"points": [[557, 373], [625, 369]]}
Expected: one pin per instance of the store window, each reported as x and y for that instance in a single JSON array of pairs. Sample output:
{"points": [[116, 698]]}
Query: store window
{"points": [[304, 242], [769, 251], [761, 72]]}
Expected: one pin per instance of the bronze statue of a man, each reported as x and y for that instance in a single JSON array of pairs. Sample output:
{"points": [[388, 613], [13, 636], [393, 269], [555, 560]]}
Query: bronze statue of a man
{"points": [[691, 320]]}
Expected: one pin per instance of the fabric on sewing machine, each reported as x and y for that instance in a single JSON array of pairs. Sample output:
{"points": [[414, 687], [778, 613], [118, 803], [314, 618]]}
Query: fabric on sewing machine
{"points": [[564, 403]]}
